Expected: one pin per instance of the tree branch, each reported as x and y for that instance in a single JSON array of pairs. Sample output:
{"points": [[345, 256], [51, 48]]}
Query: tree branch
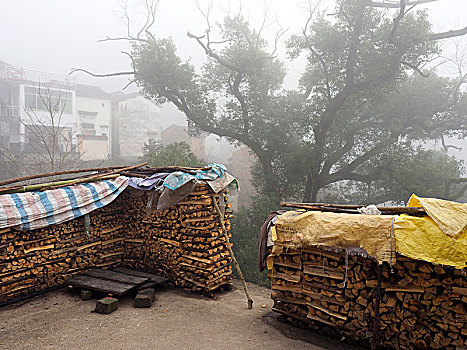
{"points": [[448, 34], [212, 54], [415, 68], [333, 158], [129, 38], [394, 5], [446, 147], [236, 91], [74, 70], [364, 157], [397, 20]]}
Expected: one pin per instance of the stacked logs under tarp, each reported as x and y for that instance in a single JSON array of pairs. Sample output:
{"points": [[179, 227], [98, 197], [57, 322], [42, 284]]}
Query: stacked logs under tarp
{"points": [[32, 261], [421, 305], [183, 242]]}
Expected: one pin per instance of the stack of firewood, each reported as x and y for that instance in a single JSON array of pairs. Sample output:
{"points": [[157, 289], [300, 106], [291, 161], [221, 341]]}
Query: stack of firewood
{"points": [[421, 305], [183, 242], [31, 261]]}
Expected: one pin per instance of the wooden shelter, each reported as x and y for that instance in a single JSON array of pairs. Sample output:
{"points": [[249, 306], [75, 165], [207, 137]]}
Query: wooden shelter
{"points": [[339, 289], [183, 242]]}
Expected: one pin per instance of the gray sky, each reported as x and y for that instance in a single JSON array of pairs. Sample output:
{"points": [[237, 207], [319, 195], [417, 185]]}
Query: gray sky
{"points": [[56, 35]]}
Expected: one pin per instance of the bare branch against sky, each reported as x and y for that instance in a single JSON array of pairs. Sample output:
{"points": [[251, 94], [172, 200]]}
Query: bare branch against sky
{"points": [[56, 35]]}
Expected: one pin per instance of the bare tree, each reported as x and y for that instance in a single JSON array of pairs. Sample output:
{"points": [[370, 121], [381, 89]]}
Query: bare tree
{"points": [[48, 141], [337, 77]]}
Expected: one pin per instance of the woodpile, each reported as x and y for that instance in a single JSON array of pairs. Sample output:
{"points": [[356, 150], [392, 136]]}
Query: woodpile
{"points": [[421, 305], [31, 261], [183, 242]]}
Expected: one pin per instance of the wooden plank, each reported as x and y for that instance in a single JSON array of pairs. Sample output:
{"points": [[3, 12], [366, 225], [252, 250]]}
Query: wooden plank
{"points": [[287, 264], [408, 289], [136, 240], [110, 241], [321, 297], [326, 311], [112, 229], [88, 245], [109, 263], [116, 276], [459, 290], [297, 289], [317, 271], [289, 300], [168, 241], [191, 257], [284, 276], [319, 319], [153, 277], [111, 254], [38, 248], [322, 252], [100, 285]]}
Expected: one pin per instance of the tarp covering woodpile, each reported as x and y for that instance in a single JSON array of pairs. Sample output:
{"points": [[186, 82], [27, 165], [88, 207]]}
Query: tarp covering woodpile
{"points": [[33, 210], [161, 220], [313, 228], [396, 280], [439, 237]]}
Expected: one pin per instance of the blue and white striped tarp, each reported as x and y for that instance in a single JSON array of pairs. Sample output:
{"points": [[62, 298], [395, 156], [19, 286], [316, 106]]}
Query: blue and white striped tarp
{"points": [[33, 210]]}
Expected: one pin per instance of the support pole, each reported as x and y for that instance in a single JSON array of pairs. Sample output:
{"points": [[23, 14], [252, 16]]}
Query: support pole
{"points": [[375, 338], [229, 247]]}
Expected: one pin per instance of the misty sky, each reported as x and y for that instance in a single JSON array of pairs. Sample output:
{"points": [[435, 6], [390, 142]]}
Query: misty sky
{"points": [[56, 35]]}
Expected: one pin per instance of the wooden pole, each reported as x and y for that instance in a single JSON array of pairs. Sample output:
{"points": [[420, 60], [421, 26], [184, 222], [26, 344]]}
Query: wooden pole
{"points": [[38, 187], [352, 209], [53, 185], [375, 337], [65, 172], [229, 247]]}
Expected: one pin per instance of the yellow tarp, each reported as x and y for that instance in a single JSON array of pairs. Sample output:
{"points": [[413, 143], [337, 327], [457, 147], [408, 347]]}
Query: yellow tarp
{"points": [[313, 228], [439, 238], [451, 217]]}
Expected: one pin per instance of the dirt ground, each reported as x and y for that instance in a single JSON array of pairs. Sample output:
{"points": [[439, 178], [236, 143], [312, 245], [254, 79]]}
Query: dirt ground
{"points": [[177, 320]]}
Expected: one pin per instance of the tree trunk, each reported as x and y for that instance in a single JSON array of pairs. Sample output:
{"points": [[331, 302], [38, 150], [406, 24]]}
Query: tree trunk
{"points": [[308, 188], [270, 179], [312, 187]]}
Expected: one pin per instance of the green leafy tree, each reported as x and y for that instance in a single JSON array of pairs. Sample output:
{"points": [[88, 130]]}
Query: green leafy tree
{"points": [[245, 228], [150, 148], [174, 154], [403, 170], [364, 90], [362, 97]]}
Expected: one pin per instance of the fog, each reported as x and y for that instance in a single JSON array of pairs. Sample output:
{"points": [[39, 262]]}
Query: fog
{"points": [[56, 35]]}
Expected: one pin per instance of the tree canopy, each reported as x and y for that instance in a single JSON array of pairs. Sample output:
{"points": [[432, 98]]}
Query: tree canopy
{"points": [[174, 154], [364, 104]]}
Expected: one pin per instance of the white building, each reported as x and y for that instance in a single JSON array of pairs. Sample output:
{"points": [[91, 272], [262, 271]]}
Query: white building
{"points": [[93, 124], [135, 120], [94, 111], [32, 102]]}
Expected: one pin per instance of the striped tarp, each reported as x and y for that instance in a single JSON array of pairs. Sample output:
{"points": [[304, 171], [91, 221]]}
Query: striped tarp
{"points": [[32, 210]]}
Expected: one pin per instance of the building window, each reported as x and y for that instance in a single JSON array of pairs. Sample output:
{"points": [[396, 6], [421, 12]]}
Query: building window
{"points": [[88, 129], [47, 100]]}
